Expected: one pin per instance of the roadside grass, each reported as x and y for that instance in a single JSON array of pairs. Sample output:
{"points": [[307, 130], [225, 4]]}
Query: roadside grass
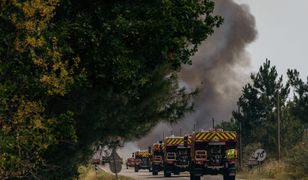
{"points": [[269, 171], [88, 173]]}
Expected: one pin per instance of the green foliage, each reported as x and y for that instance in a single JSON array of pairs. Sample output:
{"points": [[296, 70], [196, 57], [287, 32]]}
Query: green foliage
{"points": [[298, 107], [75, 73], [258, 110], [32, 70], [298, 158], [228, 125], [292, 165], [291, 129], [258, 107]]}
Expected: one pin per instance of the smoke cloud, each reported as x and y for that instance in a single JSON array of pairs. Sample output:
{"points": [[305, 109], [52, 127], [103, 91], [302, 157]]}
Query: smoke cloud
{"points": [[220, 68], [128, 149]]}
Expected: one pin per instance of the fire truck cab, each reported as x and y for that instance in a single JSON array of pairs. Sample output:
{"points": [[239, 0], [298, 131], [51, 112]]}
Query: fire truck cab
{"points": [[142, 160], [213, 152], [176, 156], [157, 158]]}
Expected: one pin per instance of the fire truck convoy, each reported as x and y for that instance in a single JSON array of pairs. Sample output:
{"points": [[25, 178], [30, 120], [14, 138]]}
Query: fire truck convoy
{"points": [[201, 153]]}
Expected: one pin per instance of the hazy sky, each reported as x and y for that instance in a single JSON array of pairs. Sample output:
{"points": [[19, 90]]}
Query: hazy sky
{"points": [[282, 34]]}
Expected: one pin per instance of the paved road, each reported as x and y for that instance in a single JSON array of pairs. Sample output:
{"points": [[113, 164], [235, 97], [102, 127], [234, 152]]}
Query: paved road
{"points": [[145, 174]]}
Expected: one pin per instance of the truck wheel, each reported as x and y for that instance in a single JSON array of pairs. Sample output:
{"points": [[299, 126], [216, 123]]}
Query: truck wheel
{"points": [[167, 174], [136, 169], [154, 173], [193, 177], [227, 177]]}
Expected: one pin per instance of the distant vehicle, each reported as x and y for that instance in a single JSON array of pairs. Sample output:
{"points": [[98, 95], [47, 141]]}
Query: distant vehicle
{"points": [[213, 152], [142, 160], [101, 155], [130, 162]]}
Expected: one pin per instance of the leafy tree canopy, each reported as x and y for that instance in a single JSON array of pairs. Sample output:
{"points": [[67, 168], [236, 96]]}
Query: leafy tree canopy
{"points": [[258, 106], [258, 109], [73, 73], [299, 105]]}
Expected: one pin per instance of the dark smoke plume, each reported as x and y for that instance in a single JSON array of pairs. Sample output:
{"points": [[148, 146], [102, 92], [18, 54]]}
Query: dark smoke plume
{"points": [[219, 70]]}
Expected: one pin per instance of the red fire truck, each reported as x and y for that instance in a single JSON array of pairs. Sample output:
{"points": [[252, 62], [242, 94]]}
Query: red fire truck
{"points": [[176, 155], [213, 152], [142, 160], [157, 158]]}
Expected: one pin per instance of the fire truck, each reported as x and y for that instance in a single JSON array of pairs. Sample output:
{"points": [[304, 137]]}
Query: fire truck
{"points": [[157, 158], [213, 152], [142, 160], [176, 155]]}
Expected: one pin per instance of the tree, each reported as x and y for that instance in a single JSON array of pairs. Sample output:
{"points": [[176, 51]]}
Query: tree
{"points": [[74, 73], [258, 107], [32, 69], [228, 125], [291, 129], [297, 158], [299, 105]]}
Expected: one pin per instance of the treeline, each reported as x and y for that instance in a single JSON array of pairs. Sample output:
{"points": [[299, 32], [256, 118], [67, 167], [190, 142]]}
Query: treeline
{"points": [[75, 73], [263, 99]]}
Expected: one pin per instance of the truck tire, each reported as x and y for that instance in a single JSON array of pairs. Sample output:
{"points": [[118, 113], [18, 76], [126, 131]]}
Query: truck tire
{"points": [[167, 174], [177, 173], [136, 169], [227, 177], [193, 177], [154, 173]]}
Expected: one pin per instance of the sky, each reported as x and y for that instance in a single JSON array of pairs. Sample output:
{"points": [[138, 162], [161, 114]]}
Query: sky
{"points": [[282, 27], [282, 34]]}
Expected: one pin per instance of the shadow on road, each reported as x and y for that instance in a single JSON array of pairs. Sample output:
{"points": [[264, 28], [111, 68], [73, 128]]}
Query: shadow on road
{"points": [[159, 177]]}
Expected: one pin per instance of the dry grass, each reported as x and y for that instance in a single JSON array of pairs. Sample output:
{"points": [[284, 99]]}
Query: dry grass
{"points": [[88, 173], [269, 171]]}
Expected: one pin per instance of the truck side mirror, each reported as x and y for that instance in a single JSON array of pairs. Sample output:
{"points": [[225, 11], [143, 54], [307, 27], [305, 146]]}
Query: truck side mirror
{"points": [[149, 149], [133, 155]]}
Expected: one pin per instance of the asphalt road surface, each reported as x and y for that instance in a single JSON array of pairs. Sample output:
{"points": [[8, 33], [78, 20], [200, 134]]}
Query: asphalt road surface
{"points": [[145, 174]]}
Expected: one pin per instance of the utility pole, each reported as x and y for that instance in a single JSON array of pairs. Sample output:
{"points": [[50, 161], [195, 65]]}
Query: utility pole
{"points": [[278, 125], [213, 123], [241, 146], [240, 132]]}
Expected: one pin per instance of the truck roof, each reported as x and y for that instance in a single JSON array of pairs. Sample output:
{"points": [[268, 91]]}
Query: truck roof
{"points": [[176, 140], [142, 153], [157, 147], [215, 136]]}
